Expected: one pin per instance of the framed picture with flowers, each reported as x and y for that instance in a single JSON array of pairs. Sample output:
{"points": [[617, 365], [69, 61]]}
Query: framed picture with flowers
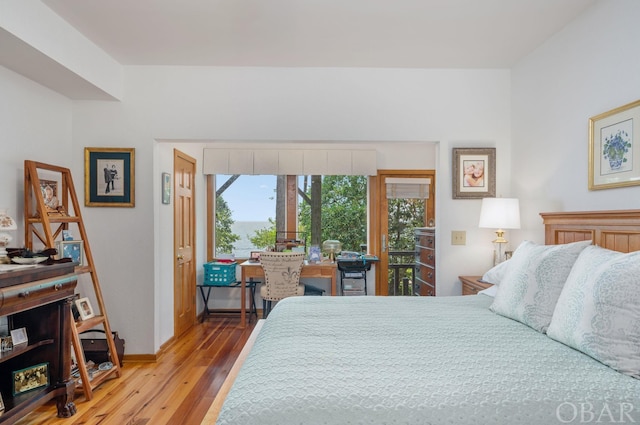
{"points": [[614, 148]]}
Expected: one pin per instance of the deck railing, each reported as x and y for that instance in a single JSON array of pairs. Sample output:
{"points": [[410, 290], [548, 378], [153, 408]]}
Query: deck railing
{"points": [[402, 269]]}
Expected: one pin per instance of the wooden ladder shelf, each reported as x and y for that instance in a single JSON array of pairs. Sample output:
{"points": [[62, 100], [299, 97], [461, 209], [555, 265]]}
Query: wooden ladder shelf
{"points": [[47, 225]]}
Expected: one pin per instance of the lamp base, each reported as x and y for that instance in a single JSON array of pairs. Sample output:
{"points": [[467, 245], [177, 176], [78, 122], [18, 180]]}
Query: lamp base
{"points": [[500, 242], [332, 256], [499, 252]]}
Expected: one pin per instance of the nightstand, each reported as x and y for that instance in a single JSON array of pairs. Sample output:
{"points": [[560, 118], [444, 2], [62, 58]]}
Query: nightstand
{"points": [[471, 285]]}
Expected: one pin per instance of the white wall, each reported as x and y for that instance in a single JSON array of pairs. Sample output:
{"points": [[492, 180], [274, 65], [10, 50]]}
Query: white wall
{"points": [[389, 107], [544, 103], [41, 45], [35, 124], [590, 67]]}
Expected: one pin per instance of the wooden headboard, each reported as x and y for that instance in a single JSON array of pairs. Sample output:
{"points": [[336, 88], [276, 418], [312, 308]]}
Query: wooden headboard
{"points": [[615, 230]]}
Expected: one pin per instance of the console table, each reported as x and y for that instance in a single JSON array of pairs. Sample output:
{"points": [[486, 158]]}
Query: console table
{"points": [[38, 299]]}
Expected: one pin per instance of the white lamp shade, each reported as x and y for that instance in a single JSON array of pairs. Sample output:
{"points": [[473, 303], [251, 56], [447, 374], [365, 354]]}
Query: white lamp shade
{"points": [[500, 213]]}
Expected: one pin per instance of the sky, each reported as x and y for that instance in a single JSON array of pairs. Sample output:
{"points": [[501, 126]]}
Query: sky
{"points": [[251, 198]]}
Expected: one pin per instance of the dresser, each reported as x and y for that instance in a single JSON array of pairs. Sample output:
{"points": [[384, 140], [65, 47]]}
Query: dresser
{"points": [[37, 299], [425, 261]]}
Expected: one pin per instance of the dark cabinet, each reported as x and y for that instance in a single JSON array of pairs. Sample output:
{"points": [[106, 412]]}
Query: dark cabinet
{"points": [[425, 281], [39, 300]]}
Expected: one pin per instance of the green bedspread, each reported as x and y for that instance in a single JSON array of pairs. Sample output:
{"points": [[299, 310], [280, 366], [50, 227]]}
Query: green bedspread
{"points": [[418, 360]]}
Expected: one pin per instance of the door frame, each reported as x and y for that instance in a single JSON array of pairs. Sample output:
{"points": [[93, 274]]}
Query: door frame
{"points": [[192, 295], [377, 195]]}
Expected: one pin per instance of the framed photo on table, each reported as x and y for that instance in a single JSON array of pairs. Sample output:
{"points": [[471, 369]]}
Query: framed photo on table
{"points": [[71, 249], [84, 308], [614, 148], [109, 177], [19, 337], [474, 173]]}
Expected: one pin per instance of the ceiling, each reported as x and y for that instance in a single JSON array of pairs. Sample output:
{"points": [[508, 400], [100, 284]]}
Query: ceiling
{"points": [[319, 33]]}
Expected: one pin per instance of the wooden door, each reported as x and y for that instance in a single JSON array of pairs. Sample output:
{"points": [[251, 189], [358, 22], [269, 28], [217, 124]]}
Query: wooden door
{"points": [[184, 279], [392, 235]]}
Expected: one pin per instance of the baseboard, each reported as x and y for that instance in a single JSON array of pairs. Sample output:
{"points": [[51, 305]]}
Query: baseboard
{"points": [[141, 358]]}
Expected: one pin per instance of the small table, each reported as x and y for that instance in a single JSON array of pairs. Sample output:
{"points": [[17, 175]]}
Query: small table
{"points": [[253, 271], [471, 285], [207, 294]]}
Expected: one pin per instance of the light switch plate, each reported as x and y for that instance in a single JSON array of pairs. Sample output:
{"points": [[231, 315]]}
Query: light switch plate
{"points": [[458, 237]]}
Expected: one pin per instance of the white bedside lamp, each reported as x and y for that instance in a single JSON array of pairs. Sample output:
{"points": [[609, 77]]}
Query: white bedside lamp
{"points": [[6, 223], [500, 213]]}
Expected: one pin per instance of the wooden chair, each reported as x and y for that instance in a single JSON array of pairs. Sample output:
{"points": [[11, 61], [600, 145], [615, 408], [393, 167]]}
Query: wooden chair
{"points": [[281, 277]]}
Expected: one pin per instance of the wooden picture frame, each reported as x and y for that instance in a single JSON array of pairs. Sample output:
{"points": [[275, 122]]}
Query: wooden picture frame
{"points": [[84, 308], [109, 177], [614, 148], [474, 173], [51, 197], [166, 188], [30, 378], [72, 249]]}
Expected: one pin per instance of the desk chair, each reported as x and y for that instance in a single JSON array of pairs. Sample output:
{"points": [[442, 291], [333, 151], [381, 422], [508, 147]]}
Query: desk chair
{"points": [[281, 277]]}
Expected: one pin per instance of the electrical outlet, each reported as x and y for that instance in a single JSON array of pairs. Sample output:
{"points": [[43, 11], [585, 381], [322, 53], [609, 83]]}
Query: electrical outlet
{"points": [[458, 237]]}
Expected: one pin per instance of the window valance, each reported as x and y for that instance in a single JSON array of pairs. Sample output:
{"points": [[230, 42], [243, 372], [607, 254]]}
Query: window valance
{"points": [[290, 161]]}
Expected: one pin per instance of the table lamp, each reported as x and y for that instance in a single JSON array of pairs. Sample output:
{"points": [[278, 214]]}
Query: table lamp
{"points": [[6, 223], [332, 247], [500, 213]]}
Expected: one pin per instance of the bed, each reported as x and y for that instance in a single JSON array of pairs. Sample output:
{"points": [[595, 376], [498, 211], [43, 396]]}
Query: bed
{"points": [[457, 360]]}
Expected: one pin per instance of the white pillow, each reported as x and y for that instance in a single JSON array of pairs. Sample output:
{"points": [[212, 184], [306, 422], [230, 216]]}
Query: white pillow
{"points": [[496, 274], [598, 311], [533, 282], [490, 291]]}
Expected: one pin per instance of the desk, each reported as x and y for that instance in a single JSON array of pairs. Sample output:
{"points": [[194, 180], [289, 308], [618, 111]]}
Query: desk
{"points": [[250, 270]]}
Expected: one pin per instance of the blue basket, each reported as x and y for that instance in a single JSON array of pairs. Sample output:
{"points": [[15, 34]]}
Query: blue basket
{"points": [[219, 274]]}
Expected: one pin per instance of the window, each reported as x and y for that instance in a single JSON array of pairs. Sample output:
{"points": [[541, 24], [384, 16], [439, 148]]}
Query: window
{"points": [[245, 210], [250, 208], [343, 210]]}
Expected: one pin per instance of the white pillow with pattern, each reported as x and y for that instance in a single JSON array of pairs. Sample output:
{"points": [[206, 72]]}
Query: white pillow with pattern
{"points": [[598, 311], [496, 274], [533, 281]]}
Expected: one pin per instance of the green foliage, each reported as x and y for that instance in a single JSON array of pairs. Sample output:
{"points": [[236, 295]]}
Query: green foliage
{"points": [[266, 237], [404, 216], [224, 236], [344, 211]]}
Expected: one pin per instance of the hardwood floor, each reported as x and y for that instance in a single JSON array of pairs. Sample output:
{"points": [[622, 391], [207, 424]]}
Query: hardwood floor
{"points": [[177, 389]]}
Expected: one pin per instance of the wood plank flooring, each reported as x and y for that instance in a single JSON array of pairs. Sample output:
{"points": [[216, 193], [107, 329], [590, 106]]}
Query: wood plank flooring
{"points": [[176, 390]]}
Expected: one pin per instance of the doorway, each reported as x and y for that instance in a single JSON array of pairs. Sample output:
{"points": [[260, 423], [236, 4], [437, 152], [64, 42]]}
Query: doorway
{"points": [[184, 276], [405, 200]]}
